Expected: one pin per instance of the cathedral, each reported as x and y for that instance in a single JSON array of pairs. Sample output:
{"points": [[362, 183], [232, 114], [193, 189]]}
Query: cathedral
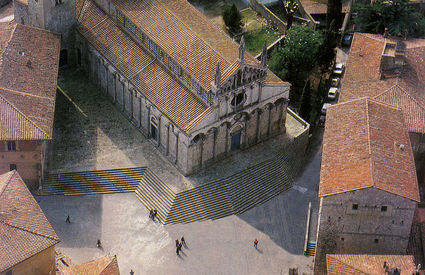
{"points": [[182, 81]]}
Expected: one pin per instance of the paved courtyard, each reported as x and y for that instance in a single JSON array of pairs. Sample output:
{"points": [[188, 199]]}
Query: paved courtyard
{"points": [[222, 246]]}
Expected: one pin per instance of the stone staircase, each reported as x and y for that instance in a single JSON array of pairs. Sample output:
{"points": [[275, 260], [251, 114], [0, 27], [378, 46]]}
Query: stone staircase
{"points": [[220, 198], [93, 182], [311, 249]]}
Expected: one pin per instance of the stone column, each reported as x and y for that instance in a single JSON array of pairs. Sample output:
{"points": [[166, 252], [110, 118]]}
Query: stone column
{"points": [[167, 147], [257, 129], [140, 111], [116, 77], [214, 132], [227, 138], [201, 145], [269, 123], [245, 138], [177, 146]]}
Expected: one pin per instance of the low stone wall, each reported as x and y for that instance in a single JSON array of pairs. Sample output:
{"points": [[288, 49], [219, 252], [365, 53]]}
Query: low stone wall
{"points": [[268, 14]]}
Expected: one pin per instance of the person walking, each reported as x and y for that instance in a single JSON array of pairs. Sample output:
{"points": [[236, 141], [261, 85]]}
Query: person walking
{"points": [[154, 214], [177, 243], [68, 219], [151, 214], [99, 244], [131, 272], [183, 241], [255, 243], [177, 251]]}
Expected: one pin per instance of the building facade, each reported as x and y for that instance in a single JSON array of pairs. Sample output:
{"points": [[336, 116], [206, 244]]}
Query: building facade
{"points": [[28, 76], [368, 186], [28, 239], [199, 98]]}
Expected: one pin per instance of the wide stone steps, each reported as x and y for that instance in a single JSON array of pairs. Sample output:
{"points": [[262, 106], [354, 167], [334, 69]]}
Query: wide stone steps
{"points": [[311, 249], [220, 198], [93, 182]]}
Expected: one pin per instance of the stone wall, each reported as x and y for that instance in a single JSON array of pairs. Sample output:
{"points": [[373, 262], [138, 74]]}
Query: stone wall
{"points": [[41, 263], [365, 221], [267, 14], [29, 158], [20, 12]]}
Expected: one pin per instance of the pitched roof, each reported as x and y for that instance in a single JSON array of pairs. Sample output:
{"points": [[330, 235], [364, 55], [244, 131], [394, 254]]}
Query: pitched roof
{"points": [[363, 77], [413, 111], [24, 230], [28, 79], [186, 35], [107, 265], [159, 86], [368, 264], [377, 153]]}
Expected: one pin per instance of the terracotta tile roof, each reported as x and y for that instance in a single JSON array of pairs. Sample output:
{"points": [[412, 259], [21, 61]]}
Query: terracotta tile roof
{"points": [[24, 230], [28, 78], [363, 78], [377, 153], [78, 6], [368, 264], [15, 125], [413, 112], [103, 266], [167, 93], [186, 35]]}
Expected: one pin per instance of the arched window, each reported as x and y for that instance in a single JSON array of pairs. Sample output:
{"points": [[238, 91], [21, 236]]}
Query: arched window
{"points": [[154, 129]]}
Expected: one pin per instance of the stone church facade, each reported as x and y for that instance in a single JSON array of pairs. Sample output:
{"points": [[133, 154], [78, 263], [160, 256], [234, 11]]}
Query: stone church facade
{"points": [[183, 82]]}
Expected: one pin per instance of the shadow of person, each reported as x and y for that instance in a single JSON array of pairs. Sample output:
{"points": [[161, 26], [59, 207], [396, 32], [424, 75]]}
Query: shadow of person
{"points": [[184, 254], [259, 250], [180, 257]]}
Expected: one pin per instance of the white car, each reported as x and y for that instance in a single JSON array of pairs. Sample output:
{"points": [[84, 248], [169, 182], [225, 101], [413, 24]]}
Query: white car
{"points": [[339, 68], [325, 107], [332, 93]]}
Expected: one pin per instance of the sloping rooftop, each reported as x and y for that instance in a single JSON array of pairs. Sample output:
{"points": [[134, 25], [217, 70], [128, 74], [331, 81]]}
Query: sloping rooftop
{"points": [[29, 61], [363, 77], [168, 94], [107, 265], [343, 264], [24, 230], [377, 153], [186, 35]]}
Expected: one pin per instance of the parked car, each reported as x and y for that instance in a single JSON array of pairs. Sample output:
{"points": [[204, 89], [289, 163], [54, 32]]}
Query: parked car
{"points": [[322, 121], [325, 107], [335, 81], [339, 68], [333, 91], [346, 40]]}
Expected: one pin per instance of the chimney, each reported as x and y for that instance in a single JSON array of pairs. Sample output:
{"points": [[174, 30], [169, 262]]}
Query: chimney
{"points": [[392, 59]]}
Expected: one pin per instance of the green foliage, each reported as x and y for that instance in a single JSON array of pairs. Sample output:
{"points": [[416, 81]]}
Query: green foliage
{"points": [[396, 15], [327, 48], [232, 18], [298, 55]]}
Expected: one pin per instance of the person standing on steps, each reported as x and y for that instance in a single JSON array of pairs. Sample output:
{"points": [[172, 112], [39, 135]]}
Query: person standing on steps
{"points": [[154, 214], [151, 214], [255, 243], [68, 219], [99, 244]]}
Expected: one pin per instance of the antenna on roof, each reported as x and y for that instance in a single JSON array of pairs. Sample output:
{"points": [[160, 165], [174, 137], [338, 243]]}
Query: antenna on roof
{"points": [[241, 57]]}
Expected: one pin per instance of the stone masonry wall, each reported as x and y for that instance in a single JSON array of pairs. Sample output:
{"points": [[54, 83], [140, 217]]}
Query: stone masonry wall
{"points": [[365, 221]]}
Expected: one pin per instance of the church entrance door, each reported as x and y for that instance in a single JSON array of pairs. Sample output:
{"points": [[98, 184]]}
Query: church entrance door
{"points": [[236, 142]]}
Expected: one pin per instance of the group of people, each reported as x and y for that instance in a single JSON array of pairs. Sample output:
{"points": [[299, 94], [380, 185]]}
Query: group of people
{"points": [[179, 245], [152, 214]]}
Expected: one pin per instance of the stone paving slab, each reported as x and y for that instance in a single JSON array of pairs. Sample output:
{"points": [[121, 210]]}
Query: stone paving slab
{"points": [[222, 246]]}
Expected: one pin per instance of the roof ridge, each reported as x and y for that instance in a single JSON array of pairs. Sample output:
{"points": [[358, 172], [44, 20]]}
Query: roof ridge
{"points": [[406, 197], [8, 181], [345, 191], [22, 114], [32, 232], [373, 100], [347, 264], [404, 91]]}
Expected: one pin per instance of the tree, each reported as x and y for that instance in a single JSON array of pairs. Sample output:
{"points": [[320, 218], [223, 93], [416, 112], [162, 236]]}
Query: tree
{"points": [[296, 58], [298, 55], [395, 16], [232, 18], [305, 108], [327, 48]]}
